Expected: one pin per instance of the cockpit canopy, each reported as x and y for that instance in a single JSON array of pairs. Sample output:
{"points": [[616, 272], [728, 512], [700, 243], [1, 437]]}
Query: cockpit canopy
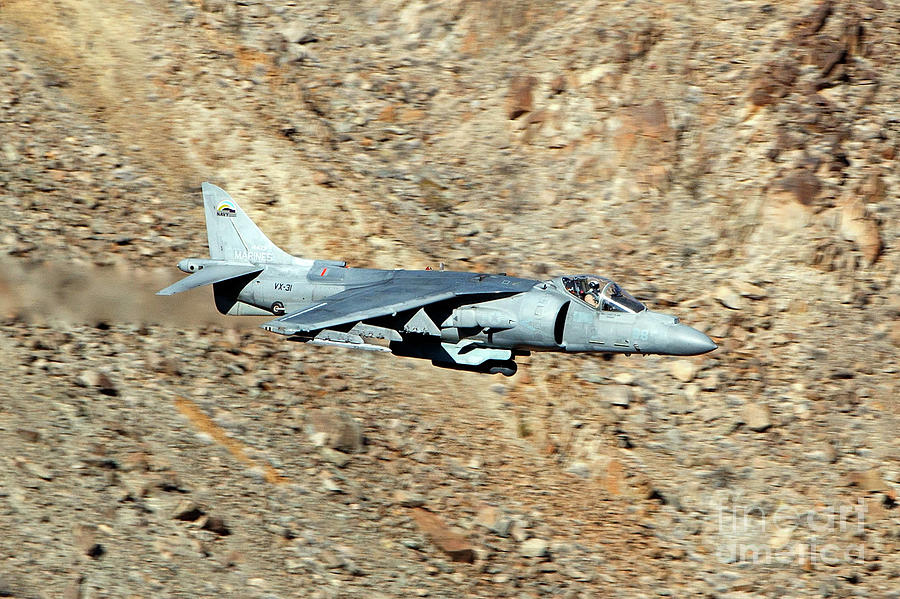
{"points": [[601, 293]]}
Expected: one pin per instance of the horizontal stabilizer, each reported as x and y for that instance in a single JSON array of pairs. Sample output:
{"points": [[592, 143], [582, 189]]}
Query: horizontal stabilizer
{"points": [[212, 273]]}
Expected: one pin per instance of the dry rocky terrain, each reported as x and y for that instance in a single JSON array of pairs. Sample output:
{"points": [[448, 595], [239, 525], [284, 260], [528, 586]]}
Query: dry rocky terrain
{"points": [[733, 163]]}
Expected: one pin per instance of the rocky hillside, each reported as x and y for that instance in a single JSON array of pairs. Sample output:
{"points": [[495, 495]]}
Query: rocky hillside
{"points": [[733, 163]]}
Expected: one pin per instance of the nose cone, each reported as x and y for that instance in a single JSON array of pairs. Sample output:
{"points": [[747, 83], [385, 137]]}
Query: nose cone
{"points": [[686, 341]]}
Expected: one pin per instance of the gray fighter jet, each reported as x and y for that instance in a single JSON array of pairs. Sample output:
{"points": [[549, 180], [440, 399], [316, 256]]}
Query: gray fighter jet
{"points": [[459, 320]]}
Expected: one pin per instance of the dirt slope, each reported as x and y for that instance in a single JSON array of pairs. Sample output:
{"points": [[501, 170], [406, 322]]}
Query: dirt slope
{"points": [[733, 164]]}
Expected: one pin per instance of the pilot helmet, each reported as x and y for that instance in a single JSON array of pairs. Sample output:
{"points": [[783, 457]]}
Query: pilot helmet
{"points": [[594, 285]]}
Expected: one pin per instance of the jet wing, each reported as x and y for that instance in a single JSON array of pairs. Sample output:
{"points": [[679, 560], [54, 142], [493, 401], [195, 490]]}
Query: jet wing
{"points": [[214, 273], [404, 291]]}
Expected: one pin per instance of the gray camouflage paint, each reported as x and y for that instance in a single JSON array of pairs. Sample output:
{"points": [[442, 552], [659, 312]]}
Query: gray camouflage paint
{"points": [[460, 320]]}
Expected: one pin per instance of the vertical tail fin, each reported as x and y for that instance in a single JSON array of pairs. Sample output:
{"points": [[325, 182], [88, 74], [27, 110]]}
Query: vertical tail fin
{"points": [[231, 233]]}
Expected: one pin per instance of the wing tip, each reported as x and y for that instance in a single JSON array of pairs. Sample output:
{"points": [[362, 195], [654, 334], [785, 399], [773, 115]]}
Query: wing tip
{"points": [[278, 327]]}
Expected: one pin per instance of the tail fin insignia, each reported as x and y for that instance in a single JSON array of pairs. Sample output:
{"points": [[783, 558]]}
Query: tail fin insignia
{"points": [[226, 208]]}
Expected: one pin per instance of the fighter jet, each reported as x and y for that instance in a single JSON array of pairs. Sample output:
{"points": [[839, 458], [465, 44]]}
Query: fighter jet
{"points": [[460, 320]]}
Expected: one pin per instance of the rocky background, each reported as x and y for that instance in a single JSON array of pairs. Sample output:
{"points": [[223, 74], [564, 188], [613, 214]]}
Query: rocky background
{"points": [[733, 163]]}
